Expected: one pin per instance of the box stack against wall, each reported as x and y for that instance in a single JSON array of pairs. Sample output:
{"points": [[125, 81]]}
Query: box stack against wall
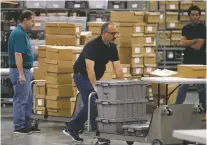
{"points": [[85, 36], [95, 28]]}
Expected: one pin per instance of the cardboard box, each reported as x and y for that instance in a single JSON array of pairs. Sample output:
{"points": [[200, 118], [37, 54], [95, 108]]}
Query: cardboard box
{"points": [[41, 63], [148, 68], [176, 34], [175, 41], [164, 42], [59, 79], [150, 29], [201, 4], [203, 16], [39, 110], [42, 51], [172, 5], [55, 66], [173, 25], [59, 112], [63, 28], [127, 29], [172, 17], [142, 49], [143, 39], [72, 103], [149, 59], [125, 54], [164, 34], [109, 67], [192, 71], [126, 68], [39, 102], [60, 90], [123, 41], [68, 40], [39, 74], [59, 104], [184, 5], [137, 59], [95, 27], [184, 16], [75, 92], [137, 70], [152, 17], [127, 76], [107, 76], [85, 37], [75, 57], [40, 88], [127, 16], [153, 5], [93, 36]]}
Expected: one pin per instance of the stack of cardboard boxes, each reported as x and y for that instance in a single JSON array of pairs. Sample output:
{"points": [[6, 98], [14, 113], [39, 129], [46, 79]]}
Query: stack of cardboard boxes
{"points": [[85, 37], [95, 28]]}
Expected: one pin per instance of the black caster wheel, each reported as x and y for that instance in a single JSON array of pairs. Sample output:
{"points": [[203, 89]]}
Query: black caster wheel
{"points": [[130, 142], [35, 123], [157, 142]]}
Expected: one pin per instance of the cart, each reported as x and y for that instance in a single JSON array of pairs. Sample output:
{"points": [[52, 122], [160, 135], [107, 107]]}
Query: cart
{"points": [[45, 117], [164, 119]]}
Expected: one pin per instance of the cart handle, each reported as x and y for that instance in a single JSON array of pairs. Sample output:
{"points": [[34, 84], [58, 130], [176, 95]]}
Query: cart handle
{"points": [[89, 109], [34, 81]]}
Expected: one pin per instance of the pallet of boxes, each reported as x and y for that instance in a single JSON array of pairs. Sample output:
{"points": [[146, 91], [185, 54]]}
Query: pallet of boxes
{"points": [[137, 40]]}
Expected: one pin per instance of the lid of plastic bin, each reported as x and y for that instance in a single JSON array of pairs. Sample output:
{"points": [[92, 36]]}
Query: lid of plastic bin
{"points": [[117, 102], [120, 120], [136, 126], [119, 82]]}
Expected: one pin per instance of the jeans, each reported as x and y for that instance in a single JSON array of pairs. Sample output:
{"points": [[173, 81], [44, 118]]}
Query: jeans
{"points": [[183, 89], [85, 88], [22, 99]]}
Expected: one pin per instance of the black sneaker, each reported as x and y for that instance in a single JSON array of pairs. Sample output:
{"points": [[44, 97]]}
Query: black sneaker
{"points": [[35, 130], [22, 131], [102, 141], [73, 134]]}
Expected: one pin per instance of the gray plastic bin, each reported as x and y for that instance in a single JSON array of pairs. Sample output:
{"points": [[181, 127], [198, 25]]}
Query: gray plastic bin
{"points": [[117, 5], [136, 129], [114, 126], [99, 17], [35, 4], [121, 109], [76, 4], [136, 5], [56, 4], [40, 23], [121, 90]]}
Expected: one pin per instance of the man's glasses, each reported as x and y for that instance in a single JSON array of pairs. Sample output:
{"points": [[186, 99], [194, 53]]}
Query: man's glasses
{"points": [[113, 33], [194, 14]]}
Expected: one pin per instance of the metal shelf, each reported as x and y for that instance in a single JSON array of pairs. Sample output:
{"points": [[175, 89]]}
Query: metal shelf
{"points": [[171, 48], [171, 62]]}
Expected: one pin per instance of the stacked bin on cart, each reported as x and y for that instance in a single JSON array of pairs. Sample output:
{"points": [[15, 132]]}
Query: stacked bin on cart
{"points": [[120, 103]]}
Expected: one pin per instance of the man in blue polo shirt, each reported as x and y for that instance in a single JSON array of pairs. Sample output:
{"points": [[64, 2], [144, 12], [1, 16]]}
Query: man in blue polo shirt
{"points": [[20, 62]]}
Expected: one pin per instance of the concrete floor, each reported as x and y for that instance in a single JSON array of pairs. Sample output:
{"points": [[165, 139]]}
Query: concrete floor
{"points": [[51, 131]]}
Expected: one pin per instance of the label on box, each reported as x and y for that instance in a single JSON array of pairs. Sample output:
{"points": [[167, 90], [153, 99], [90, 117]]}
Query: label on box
{"points": [[149, 69], [116, 6], [138, 29], [149, 28], [98, 19], [137, 50], [134, 5], [37, 24], [172, 6], [77, 29], [36, 4], [12, 27], [138, 70], [161, 16], [148, 49], [39, 112], [148, 40], [172, 24], [78, 41], [136, 60], [55, 6], [124, 70], [76, 5], [39, 102], [77, 55]]}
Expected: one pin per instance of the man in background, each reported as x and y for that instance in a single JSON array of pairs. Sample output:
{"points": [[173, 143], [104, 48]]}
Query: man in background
{"points": [[20, 62]]}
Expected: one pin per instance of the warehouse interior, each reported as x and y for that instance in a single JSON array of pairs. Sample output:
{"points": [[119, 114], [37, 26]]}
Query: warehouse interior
{"points": [[148, 46]]}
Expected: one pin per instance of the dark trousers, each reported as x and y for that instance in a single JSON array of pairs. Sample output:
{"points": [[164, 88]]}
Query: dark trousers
{"points": [[85, 88]]}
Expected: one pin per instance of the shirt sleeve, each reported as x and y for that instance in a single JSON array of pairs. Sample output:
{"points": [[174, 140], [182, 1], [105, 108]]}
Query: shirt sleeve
{"points": [[90, 52], [19, 42], [184, 32], [114, 54]]}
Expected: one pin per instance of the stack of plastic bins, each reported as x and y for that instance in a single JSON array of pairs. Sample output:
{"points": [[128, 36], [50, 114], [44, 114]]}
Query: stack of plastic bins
{"points": [[120, 103]]}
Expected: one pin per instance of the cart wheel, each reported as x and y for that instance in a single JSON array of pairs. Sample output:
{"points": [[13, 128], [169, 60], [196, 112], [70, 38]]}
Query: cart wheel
{"points": [[130, 142], [35, 123], [157, 142]]}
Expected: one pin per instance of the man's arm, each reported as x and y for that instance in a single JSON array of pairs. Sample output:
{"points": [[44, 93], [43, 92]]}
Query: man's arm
{"points": [[198, 44], [19, 62], [91, 72], [184, 42], [118, 70]]}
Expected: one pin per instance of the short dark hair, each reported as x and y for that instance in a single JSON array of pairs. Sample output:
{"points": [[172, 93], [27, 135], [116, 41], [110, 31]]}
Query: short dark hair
{"points": [[194, 8], [26, 14], [104, 27]]}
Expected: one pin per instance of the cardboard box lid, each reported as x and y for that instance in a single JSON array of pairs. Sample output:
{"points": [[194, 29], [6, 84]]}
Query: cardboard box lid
{"points": [[54, 86], [130, 24], [164, 32], [135, 13], [143, 35], [163, 73], [125, 65], [55, 98], [137, 66], [58, 48], [86, 34], [39, 108], [172, 2], [149, 55], [99, 24], [172, 13], [62, 36], [62, 24], [73, 99], [150, 65], [153, 13], [175, 39], [149, 45], [195, 67], [138, 55], [40, 84], [176, 32], [42, 47], [56, 74], [56, 62], [39, 96]]}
